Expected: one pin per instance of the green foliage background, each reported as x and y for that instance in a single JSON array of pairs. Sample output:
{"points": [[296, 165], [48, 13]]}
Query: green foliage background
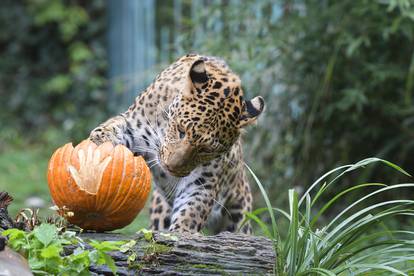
{"points": [[52, 67], [337, 76]]}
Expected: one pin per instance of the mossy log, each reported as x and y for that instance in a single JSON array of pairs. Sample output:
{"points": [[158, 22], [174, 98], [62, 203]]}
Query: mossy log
{"points": [[173, 253], [223, 254]]}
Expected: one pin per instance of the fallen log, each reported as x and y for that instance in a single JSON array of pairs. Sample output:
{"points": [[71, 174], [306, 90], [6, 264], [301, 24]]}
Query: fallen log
{"points": [[176, 254], [172, 253]]}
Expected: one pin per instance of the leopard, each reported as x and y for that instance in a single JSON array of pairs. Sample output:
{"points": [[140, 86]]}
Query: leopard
{"points": [[188, 125]]}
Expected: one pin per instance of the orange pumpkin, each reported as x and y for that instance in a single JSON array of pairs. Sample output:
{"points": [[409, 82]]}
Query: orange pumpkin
{"points": [[103, 186]]}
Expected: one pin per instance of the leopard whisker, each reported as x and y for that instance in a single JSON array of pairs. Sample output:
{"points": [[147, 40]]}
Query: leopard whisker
{"points": [[153, 165], [174, 185], [145, 149], [156, 134], [152, 144], [153, 161], [160, 136], [171, 185]]}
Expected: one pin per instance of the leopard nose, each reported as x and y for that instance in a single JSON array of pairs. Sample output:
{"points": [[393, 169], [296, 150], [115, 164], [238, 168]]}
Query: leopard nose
{"points": [[178, 155]]}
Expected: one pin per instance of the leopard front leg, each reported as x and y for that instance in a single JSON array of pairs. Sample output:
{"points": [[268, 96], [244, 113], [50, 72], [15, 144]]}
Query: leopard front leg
{"points": [[113, 130], [240, 202], [192, 206], [160, 212]]}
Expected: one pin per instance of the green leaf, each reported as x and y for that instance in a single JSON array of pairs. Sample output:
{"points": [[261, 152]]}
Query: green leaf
{"points": [[53, 12], [376, 267], [79, 52], [276, 237], [318, 271], [394, 166], [148, 236], [80, 260], [109, 262], [16, 239], [293, 232], [259, 222], [106, 246], [99, 255], [59, 83], [131, 258], [127, 246], [14, 234], [339, 195], [51, 251], [36, 263], [45, 233], [94, 256], [364, 198]]}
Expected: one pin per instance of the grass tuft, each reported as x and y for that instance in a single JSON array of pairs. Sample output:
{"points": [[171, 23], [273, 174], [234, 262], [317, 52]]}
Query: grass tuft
{"points": [[352, 243]]}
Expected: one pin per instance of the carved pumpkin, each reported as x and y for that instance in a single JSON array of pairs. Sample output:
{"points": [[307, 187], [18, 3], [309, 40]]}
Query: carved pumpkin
{"points": [[104, 187]]}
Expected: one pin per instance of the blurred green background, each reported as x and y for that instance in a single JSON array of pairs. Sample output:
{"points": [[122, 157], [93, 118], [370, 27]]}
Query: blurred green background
{"points": [[337, 77]]}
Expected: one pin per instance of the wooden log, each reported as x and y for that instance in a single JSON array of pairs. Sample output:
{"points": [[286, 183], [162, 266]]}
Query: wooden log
{"points": [[177, 254]]}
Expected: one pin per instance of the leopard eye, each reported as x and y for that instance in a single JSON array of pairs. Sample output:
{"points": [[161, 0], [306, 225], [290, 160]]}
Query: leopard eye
{"points": [[206, 150], [181, 133]]}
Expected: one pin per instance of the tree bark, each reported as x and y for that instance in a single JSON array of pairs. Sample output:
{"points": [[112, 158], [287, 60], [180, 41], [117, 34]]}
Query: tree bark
{"points": [[223, 254]]}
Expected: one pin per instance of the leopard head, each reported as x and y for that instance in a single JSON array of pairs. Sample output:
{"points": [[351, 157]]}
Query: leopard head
{"points": [[206, 118]]}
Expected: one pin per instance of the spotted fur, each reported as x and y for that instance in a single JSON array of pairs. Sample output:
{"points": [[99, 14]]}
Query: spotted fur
{"points": [[187, 124]]}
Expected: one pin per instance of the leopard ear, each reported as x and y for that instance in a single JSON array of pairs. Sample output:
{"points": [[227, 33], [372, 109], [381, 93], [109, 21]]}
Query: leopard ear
{"points": [[198, 73], [251, 111]]}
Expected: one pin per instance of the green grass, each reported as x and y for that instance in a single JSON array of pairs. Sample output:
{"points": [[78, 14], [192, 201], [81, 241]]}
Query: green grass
{"points": [[357, 241], [23, 174]]}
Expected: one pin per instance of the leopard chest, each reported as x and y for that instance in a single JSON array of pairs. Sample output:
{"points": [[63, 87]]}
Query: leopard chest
{"points": [[165, 183]]}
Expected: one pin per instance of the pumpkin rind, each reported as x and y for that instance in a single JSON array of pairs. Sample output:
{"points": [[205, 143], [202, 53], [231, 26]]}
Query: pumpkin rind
{"points": [[122, 189]]}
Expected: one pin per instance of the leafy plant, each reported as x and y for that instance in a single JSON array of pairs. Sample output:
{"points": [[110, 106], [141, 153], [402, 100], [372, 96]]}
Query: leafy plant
{"points": [[44, 249], [356, 241]]}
